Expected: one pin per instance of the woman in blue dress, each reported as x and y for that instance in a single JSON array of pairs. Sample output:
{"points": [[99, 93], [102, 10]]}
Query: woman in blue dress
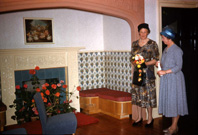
{"points": [[172, 95]]}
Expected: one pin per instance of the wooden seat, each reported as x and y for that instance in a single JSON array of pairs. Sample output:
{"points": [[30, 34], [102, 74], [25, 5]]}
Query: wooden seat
{"points": [[111, 102]]}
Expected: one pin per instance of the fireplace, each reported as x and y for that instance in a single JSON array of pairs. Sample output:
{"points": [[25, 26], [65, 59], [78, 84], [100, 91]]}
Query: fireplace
{"points": [[49, 75], [24, 59]]}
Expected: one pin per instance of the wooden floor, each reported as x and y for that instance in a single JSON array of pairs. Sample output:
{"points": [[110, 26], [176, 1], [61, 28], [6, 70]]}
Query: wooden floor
{"points": [[110, 126]]}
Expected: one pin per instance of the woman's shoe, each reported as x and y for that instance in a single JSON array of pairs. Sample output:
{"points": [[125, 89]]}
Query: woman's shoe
{"points": [[170, 131], [137, 123], [166, 130], [150, 124]]}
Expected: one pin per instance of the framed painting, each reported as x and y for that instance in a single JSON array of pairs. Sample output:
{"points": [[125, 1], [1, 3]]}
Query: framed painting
{"points": [[38, 30]]}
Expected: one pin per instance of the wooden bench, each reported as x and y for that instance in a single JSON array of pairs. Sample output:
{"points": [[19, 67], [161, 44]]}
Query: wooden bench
{"points": [[111, 102]]}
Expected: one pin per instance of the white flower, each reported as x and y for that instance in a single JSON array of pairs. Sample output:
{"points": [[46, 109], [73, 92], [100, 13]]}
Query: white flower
{"points": [[141, 57], [137, 57]]}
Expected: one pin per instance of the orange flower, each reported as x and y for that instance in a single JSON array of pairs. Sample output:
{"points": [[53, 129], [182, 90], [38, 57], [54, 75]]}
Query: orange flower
{"points": [[32, 72], [33, 100], [64, 86], [45, 100], [17, 87], [44, 88], [53, 86], [46, 84], [25, 86], [38, 90], [37, 68], [57, 94], [47, 92], [42, 94], [140, 71], [78, 88]]}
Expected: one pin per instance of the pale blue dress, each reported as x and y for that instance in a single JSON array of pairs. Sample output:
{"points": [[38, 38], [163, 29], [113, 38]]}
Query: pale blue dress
{"points": [[172, 94]]}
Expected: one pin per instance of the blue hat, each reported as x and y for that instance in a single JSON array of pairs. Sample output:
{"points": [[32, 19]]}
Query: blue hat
{"points": [[168, 32]]}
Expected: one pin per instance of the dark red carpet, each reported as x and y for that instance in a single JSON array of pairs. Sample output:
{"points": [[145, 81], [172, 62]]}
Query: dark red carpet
{"points": [[83, 119], [35, 126]]}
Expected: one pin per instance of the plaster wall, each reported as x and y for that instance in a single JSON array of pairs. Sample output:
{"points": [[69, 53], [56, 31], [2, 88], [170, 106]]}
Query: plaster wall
{"points": [[151, 17], [117, 34], [71, 28]]}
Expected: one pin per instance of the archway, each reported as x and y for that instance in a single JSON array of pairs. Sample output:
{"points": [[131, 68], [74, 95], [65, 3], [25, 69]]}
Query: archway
{"points": [[131, 11]]}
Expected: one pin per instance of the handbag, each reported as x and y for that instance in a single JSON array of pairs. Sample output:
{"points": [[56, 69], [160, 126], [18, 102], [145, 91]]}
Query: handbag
{"points": [[150, 74], [136, 76]]}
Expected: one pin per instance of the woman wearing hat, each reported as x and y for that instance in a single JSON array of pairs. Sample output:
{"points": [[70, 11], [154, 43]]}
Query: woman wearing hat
{"points": [[143, 87], [172, 95]]}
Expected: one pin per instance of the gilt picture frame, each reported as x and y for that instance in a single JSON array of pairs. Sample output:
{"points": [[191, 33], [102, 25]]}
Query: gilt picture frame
{"points": [[38, 31]]}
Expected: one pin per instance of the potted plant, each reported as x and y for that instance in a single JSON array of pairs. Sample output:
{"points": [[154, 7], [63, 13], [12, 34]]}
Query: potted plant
{"points": [[51, 93], [22, 104]]}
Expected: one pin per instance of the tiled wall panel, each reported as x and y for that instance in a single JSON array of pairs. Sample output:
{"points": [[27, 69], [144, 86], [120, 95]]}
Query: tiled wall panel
{"points": [[105, 69]]}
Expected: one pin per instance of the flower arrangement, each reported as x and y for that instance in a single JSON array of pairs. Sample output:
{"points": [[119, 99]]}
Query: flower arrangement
{"points": [[51, 94], [140, 64]]}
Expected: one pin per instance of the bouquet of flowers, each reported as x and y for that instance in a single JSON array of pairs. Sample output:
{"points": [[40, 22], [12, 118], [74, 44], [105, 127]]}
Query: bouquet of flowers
{"points": [[139, 61], [139, 74], [51, 94]]}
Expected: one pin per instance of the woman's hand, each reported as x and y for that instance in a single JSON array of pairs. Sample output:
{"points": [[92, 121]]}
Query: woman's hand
{"points": [[161, 72]]}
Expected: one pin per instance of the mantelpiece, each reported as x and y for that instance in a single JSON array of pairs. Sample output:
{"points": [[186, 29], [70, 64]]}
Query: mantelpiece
{"points": [[25, 59]]}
